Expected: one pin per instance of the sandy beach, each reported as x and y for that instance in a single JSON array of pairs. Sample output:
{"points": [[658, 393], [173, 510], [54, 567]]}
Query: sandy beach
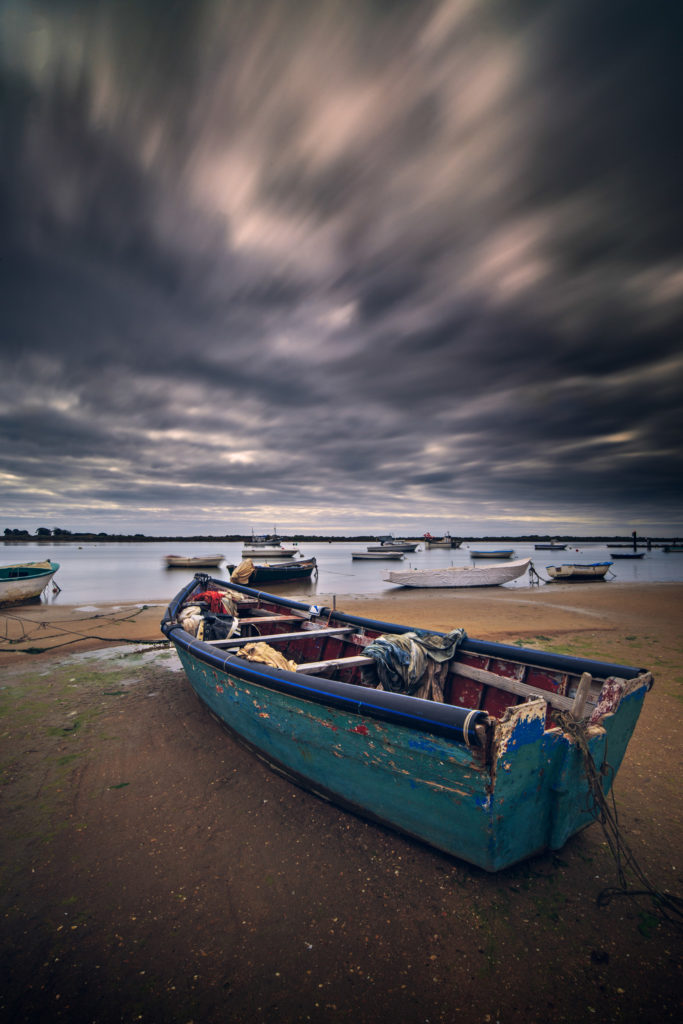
{"points": [[153, 870]]}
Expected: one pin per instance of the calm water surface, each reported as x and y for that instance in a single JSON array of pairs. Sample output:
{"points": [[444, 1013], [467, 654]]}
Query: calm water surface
{"points": [[95, 573]]}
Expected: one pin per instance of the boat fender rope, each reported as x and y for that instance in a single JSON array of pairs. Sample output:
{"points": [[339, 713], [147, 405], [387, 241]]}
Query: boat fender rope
{"points": [[234, 627], [466, 726]]}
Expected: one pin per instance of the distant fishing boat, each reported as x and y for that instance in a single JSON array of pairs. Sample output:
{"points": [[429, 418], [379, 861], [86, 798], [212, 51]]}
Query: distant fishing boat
{"points": [[193, 561], [498, 553], [553, 545], [248, 572], [25, 581], [268, 547], [461, 575], [441, 542], [673, 547], [627, 554], [469, 746], [575, 572]]}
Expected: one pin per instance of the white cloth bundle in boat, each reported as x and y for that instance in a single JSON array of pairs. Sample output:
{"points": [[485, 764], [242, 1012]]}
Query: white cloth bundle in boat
{"points": [[191, 619]]}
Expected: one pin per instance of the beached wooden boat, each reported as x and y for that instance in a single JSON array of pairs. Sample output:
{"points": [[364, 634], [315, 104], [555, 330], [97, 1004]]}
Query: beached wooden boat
{"points": [[380, 553], [575, 572], [248, 572], [492, 772], [193, 561], [461, 575], [25, 581], [496, 553]]}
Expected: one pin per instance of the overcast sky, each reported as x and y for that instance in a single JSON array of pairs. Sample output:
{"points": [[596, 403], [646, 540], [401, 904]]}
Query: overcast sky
{"points": [[341, 266]]}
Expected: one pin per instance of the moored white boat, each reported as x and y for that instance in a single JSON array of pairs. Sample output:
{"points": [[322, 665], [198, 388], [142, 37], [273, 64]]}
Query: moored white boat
{"points": [[394, 545], [573, 571], [25, 580], [380, 553], [193, 561], [460, 575]]}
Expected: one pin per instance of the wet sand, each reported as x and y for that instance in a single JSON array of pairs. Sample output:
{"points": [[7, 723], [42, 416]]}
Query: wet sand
{"points": [[153, 870]]}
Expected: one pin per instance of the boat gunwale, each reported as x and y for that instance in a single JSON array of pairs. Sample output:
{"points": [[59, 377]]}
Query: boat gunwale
{"points": [[446, 720], [492, 648], [36, 573]]}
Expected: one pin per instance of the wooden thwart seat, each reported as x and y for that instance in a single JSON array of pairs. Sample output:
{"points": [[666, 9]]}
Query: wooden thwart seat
{"points": [[574, 704], [271, 638], [312, 667]]}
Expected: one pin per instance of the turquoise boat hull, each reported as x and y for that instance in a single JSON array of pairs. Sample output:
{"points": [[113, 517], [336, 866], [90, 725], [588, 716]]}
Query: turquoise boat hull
{"points": [[521, 791]]}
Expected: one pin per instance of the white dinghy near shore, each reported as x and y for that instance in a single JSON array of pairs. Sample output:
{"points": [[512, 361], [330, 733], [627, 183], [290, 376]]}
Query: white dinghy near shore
{"points": [[461, 576]]}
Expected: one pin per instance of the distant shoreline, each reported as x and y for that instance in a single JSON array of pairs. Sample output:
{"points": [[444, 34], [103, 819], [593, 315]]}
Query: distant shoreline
{"points": [[240, 538]]}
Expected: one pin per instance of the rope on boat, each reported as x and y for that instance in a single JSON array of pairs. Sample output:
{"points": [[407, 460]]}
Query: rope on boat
{"points": [[604, 810]]}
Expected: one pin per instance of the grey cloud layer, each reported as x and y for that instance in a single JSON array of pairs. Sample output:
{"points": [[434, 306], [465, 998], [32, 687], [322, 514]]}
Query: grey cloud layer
{"points": [[354, 257]]}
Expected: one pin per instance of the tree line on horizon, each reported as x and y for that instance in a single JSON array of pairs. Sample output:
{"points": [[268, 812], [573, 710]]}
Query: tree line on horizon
{"points": [[58, 533]]}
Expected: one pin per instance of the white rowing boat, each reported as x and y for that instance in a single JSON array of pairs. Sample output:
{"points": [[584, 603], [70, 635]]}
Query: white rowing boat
{"points": [[460, 575]]}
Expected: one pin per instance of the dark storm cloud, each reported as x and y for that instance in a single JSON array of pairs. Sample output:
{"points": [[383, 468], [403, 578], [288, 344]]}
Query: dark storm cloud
{"points": [[409, 260]]}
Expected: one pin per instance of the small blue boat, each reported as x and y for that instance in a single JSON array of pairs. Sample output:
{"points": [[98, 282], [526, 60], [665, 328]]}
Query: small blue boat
{"points": [[469, 746], [496, 553]]}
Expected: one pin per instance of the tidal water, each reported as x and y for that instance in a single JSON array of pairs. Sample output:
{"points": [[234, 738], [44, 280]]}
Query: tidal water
{"points": [[102, 572]]}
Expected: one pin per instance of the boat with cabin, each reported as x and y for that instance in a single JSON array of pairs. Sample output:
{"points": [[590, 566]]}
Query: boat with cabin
{"points": [[441, 542], [389, 544], [268, 546]]}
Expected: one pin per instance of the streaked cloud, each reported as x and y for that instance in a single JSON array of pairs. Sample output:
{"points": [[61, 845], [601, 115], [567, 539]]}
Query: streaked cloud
{"points": [[340, 267]]}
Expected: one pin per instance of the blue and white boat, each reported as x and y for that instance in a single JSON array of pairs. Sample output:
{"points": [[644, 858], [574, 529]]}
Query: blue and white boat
{"points": [[572, 572], [25, 581], [466, 745]]}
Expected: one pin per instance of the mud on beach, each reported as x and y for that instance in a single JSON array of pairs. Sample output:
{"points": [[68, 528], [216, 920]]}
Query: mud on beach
{"points": [[154, 870]]}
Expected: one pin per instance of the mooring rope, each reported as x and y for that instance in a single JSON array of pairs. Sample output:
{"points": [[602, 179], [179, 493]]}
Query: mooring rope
{"points": [[605, 812], [8, 644]]}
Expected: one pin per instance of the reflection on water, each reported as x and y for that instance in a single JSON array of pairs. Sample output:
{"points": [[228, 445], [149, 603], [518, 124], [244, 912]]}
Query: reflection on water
{"points": [[120, 572]]}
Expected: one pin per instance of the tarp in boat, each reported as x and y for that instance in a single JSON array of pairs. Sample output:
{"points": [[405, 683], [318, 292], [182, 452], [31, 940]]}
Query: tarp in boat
{"points": [[267, 655], [243, 572], [414, 663]]}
